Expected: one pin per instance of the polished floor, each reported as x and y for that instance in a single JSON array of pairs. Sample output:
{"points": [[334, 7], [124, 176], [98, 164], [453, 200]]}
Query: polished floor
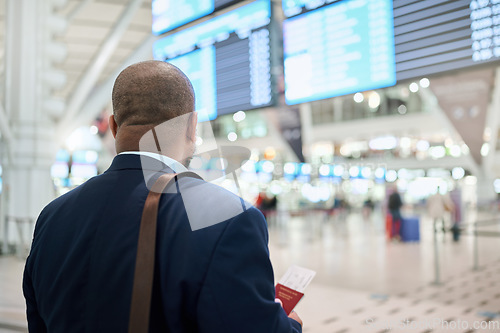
{"points": [[363, 282], [366, 284], [12, 315]]}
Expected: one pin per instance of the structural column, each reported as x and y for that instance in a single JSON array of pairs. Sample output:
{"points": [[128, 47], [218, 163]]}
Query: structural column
{"points": [[30, 152], [307, 129]]}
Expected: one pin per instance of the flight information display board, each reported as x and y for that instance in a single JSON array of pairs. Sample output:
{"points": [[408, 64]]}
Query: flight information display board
{"points": [[295, 7], [226, 58], [434, 36], [171, 14], [338, 49], [437, 36]]}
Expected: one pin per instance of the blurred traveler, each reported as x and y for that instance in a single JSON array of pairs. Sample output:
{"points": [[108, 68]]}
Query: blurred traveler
{"points": [[437, 207], [456, 215], [271, 205], [260, 200], [394, 204], [267, 205], [80, 271], [368, 206], [340, 207]]}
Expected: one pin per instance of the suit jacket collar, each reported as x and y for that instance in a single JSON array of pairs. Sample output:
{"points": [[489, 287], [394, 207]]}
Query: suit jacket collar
{"points": [[137, 162]]}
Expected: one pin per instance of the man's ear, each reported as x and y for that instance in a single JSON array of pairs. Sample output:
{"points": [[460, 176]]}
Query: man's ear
{"points": [[113, 126], [191, 129]]}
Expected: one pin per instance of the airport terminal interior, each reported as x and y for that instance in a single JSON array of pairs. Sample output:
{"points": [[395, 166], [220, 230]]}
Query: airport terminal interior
{"points": [[366, 131]]}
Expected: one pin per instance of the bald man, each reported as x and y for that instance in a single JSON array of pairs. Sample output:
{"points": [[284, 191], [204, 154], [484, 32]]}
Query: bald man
{"points": [[212, 277]]}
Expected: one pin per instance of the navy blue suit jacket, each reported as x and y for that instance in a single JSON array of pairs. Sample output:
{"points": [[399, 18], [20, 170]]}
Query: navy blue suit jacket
{"points": [[78, 276]]}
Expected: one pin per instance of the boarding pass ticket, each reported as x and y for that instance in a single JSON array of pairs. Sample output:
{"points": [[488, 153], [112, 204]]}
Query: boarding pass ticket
{"points": [[297, 278]]}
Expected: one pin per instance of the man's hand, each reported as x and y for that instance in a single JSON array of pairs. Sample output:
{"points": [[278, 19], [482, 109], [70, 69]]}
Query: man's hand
{"points": [[295, 317], [292, 314]]}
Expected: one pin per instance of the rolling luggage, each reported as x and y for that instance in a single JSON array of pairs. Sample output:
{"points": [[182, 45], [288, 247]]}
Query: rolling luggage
{"points": [[410, 229], [388, 226]]}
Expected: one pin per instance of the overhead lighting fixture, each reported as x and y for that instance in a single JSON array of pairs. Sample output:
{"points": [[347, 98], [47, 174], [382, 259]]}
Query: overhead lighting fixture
{"points": [[268, 166], [354, 171], [402, 109], [391, 176], [496, 185], [423, 145], [289, 168], [458, 173], [455, 151], [465, 149], [374, 100], [485, 149], [366, 172], [383, 143], [405, 142], [379, 173], [358, 97], [324, 170], [338, 170], [413, 87], [306, 169], [437, 152], [425, 83], [232, 136], [239, 116]]}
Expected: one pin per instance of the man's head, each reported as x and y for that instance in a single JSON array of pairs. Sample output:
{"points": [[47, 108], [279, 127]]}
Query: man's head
{"points": [[148, 94]]}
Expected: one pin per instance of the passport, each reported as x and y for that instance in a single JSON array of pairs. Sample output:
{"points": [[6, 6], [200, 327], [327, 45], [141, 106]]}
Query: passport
{"points": [[290, 289]]}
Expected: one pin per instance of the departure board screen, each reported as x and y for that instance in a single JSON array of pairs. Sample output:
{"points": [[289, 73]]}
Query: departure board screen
{"points": [[338, 49], [434, 36], [437, 36], [226, 58], [296, 7], [171, 14]]}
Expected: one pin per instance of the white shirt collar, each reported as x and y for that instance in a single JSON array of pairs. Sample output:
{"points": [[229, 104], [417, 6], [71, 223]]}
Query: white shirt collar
{"points": [[176, 166]]}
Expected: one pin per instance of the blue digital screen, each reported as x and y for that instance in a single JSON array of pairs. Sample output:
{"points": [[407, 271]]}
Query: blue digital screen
{"points": [[226, 58], [171, 14], [295, 7], [339, 49], [202, 78]]}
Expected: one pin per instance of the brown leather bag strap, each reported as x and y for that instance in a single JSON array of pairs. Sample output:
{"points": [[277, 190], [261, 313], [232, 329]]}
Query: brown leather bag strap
{"points": [[145, 260]]}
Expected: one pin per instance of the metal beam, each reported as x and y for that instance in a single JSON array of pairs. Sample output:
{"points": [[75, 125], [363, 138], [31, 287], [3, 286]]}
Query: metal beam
{"points": [[102, 94], [96, 67], [77, 10]]}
